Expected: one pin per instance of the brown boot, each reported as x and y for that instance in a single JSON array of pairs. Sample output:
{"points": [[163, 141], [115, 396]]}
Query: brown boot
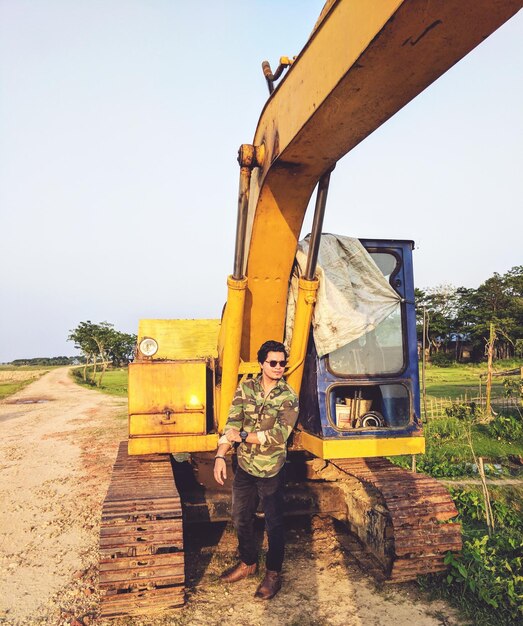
{"points": [[237, 572], [269, 586]]}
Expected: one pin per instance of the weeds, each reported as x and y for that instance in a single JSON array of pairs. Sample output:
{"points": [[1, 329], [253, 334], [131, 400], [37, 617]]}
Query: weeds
{"points": [[486, 579], [506, 428], [114, 382]]}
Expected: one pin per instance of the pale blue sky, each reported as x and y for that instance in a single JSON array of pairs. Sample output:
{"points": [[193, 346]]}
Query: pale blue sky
{"points": [[119, 127]]}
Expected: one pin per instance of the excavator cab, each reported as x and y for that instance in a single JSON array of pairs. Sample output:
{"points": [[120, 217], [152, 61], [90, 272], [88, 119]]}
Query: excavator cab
{"points": [[363, 398]]}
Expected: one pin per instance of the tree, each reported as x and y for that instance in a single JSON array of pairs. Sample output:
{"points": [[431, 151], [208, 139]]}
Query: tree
{"points": [[101, 343], [121, 348], [440, 304], [499, 300], [84, 341], [102, 336], [455, 314]]}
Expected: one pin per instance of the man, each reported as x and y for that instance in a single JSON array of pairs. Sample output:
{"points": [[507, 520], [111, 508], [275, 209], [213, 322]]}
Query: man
{"points": [[262, 415]]}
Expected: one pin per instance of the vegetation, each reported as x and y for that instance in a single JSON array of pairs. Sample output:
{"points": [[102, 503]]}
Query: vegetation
{"points": [[114, 381], [100, 344], [486, 579], [449, 454], [460, 317], [14, 378], [9, 388], [52, 361], [457, 380]]}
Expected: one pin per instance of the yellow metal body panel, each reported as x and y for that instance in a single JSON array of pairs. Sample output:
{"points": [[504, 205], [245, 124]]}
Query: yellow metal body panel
{"points": [[363, 63], [167, 397], [172, 445], [249, 367], [361, 447], [161, 424], [182, 339]]}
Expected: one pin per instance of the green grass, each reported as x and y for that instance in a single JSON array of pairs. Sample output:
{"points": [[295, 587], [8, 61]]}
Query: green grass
{"points": [[486, 446], [114, 381], [458, 380], [9, 387], [447, 433]]}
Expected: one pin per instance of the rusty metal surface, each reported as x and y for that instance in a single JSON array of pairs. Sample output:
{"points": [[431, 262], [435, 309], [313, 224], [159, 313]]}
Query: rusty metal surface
{"points": [[417, 506], [206, 501], [141, 538]]}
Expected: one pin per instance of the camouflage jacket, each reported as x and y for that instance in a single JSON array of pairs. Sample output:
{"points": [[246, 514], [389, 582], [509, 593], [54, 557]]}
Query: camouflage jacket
{"points": [[272, 417]]}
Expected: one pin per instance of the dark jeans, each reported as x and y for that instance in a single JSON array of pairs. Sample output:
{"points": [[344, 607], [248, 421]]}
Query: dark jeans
{"points": [[247, 491]]}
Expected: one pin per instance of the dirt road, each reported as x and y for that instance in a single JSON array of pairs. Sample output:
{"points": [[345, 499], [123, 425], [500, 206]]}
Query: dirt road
{"points": [[57, 445]]}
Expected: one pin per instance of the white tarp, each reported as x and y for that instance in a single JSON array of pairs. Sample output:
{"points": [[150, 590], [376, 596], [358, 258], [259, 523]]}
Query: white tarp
{"points": [[353, 295]]}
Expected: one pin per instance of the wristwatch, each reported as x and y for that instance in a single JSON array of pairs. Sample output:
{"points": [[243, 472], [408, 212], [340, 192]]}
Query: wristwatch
{"points": [[243, 435]]}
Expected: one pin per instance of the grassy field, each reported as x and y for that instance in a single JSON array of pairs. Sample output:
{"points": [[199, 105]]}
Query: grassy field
{"points": [[457, 380], [13, 379], [114, 381]]}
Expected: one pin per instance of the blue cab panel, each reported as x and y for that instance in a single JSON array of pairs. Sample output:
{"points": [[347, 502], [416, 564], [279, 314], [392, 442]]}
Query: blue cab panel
{"points": [[370, 387]]}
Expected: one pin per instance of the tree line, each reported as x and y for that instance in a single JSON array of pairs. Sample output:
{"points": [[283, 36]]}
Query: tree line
{"points": [[459, 318], [100, 344], [46, 361]]}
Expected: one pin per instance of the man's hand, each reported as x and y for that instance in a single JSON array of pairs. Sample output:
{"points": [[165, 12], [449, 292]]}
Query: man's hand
{"points": [[233, 435], [220, 471]]}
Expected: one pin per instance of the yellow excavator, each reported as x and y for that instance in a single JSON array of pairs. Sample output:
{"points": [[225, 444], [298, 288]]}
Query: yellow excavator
{"points": [[358, 382]]}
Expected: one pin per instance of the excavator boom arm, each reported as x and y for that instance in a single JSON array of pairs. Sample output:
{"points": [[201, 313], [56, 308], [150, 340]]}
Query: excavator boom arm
{"points": [[363, 63]]}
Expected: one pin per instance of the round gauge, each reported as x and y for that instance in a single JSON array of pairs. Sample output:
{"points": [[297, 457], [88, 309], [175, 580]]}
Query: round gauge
{"points": [[148, 346]]}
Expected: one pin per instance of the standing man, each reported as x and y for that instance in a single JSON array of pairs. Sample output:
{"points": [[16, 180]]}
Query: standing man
{"points": [[261, 418]]}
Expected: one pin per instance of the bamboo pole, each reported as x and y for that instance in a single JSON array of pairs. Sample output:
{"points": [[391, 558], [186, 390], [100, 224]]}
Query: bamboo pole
{"points": [[488, 508], [480, 393], [423, 364], [490, 354]]}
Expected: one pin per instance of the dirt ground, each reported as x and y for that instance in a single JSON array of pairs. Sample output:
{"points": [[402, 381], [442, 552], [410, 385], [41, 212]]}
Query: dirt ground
{"points": [[57, 444]]}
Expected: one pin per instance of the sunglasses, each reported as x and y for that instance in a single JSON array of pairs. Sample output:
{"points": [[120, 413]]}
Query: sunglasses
{"points": [[275, 363]]}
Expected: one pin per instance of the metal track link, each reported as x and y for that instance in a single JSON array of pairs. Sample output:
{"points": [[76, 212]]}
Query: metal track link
{"points": [[417, 505], [141, 538]]}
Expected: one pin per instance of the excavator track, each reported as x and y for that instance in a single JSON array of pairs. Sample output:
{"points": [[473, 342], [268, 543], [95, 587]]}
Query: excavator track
{"points": [[415, 537], [141, 538]]}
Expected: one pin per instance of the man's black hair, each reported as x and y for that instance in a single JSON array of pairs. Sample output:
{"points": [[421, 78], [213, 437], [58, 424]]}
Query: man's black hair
{"points": [[270, 346]]}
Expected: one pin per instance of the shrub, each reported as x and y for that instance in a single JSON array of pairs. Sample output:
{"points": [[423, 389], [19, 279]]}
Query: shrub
{"points": [[513, 387], [440, 359], [486, 579], [487, 574], [471, 506], [506, 427], [438, 463], [462, 410], [444, 428]]}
